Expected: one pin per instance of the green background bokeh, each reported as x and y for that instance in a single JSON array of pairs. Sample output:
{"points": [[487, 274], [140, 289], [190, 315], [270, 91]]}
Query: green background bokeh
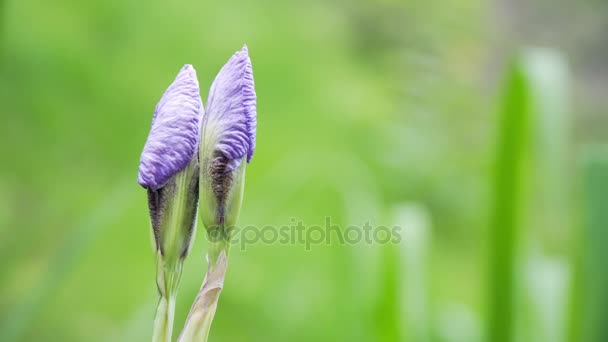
{"points": [[362, 106]]}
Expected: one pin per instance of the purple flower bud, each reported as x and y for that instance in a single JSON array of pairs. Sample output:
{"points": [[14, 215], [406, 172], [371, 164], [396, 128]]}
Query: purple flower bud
{"points": [[174, 136], [231, 110], [228, 138]]}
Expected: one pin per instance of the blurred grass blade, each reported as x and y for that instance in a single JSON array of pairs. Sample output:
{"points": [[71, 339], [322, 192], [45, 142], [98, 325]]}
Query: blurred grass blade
{"points": [[548, 280], [550, 190], [512, 143], [531, 172], [387, 311], [456, 322], [595, 251], [413, 285], [548, 76], [547, 222]]}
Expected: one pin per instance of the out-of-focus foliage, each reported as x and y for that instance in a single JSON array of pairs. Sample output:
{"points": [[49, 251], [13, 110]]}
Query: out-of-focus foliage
{"points": [[362, 106], [531, 212], [513, 142], [595, 217]]}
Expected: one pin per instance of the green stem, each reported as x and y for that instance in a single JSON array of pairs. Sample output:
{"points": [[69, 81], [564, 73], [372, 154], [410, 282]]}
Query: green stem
{"points": [[163, 323], [201, 315], [167, 281]]}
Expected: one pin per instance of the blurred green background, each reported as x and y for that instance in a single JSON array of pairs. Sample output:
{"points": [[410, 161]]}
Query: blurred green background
{"points": [[432, 115]]}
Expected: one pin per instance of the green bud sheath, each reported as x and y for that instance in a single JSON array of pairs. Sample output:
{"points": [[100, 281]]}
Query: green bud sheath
{"points": [[221, 196], [173, 213]]}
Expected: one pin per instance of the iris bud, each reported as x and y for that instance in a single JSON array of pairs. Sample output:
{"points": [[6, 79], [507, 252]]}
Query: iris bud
{"points": [[227, 144], [169, 170]]}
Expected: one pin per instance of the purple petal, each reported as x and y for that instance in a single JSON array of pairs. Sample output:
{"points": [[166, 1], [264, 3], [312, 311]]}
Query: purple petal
{"points": [[174, 137], [231, 108]]}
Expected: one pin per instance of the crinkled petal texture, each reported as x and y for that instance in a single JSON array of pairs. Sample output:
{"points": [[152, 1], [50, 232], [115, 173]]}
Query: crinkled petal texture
{"points": [[231, 109], [174, 136]]}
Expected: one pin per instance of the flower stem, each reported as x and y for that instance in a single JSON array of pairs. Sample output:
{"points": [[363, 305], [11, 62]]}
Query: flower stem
{"points": [[163, 323], [167, 281], [202, 312]]}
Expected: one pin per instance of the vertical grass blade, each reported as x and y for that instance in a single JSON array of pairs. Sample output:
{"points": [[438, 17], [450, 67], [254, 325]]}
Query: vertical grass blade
{"points": [[547, 284], [531, 190], [595, 246], [414, 254], [387, 316], [512, 143], [547, 238]]}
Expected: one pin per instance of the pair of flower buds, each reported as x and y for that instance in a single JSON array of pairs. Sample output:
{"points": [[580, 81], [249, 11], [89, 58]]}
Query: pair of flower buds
{"points": [[189, 149]]}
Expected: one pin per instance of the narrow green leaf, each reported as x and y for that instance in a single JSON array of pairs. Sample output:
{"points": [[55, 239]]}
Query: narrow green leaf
{"points": [[512, 144], [595, 252]]}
